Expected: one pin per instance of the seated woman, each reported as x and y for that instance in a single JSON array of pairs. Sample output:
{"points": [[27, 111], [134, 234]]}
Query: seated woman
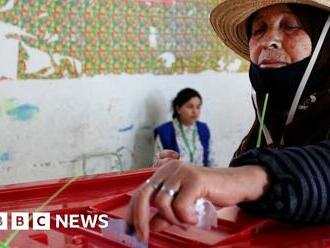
{"points": [[185, 134]]}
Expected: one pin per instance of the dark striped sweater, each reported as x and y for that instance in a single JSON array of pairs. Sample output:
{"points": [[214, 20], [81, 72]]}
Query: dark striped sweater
{"points": [[299, 183]]}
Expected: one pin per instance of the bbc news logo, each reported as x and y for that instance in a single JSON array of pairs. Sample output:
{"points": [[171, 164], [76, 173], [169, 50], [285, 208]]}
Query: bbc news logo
{"points": [[41, 221]]}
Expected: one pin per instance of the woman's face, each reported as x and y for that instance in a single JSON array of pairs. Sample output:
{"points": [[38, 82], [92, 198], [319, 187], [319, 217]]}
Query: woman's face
{"points": [[278, 38], [189, 112]]}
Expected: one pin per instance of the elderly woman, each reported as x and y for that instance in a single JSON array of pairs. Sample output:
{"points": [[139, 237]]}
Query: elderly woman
{"points": [[288, 178]]}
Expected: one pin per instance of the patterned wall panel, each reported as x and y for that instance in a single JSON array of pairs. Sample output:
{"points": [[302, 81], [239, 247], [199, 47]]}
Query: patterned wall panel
{"points": [[74, 38]]}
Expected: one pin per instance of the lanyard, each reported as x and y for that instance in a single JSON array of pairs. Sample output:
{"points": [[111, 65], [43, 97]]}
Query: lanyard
{"points": [[265, 130], [192, 149]]}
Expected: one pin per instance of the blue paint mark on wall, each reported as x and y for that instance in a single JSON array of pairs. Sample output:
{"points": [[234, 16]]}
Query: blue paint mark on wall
{"points": [[23, 112], [5, 157], [126, 129]]}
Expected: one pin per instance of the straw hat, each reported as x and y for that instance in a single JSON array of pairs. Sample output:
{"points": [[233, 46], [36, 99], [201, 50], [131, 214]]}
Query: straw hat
{"points": [[229, 19]]}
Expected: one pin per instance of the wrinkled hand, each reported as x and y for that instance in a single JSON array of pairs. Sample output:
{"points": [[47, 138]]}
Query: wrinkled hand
{"points": [[222, 186]]}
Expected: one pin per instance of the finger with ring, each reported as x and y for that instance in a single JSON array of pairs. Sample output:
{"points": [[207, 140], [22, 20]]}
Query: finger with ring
{"points": [[169, 191], [153, 184]]}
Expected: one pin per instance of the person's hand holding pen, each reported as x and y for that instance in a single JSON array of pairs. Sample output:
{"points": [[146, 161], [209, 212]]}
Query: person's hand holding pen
{"points": [[175, 187]]}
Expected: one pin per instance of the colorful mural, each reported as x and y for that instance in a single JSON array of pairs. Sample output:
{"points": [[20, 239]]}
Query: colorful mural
{"points": [[74, 38]]}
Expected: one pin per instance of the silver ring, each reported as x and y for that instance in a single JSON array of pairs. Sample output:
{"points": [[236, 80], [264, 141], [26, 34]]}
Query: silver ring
{"points": [[153, 184], [169, 191]]}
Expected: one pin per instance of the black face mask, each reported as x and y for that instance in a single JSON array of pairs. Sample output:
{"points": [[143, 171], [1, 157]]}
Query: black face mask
{"points": [[282, 83]]}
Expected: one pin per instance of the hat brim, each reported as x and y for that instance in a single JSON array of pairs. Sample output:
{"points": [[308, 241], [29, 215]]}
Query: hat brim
{"points": [[229, 18]]}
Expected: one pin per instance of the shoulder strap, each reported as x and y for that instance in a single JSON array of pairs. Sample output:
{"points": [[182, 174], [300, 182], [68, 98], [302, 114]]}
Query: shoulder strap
{"points": [[204, 136]]}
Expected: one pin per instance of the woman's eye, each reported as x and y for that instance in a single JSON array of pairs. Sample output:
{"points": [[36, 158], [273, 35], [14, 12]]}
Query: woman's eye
{"points": [[258, 30], [291, 26]]}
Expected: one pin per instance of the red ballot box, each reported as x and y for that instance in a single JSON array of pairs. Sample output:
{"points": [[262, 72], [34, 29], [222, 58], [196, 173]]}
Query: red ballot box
{"points": [[109, 194]]}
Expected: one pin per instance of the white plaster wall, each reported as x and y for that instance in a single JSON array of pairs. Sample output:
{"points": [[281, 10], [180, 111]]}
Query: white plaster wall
{"points": [[108, 121]]}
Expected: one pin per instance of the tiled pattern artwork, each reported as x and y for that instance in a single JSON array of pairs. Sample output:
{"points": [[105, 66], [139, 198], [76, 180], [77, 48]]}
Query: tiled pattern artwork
{"points": [[95, 37]]}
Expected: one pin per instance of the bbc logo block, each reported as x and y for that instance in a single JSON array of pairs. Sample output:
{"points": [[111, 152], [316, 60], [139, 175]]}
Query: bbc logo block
{"points": [[3, 221], [41, 221], [21, 221]]}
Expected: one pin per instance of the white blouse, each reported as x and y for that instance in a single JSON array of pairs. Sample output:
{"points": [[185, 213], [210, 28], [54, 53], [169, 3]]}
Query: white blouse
{"points": [[184, 151]]}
